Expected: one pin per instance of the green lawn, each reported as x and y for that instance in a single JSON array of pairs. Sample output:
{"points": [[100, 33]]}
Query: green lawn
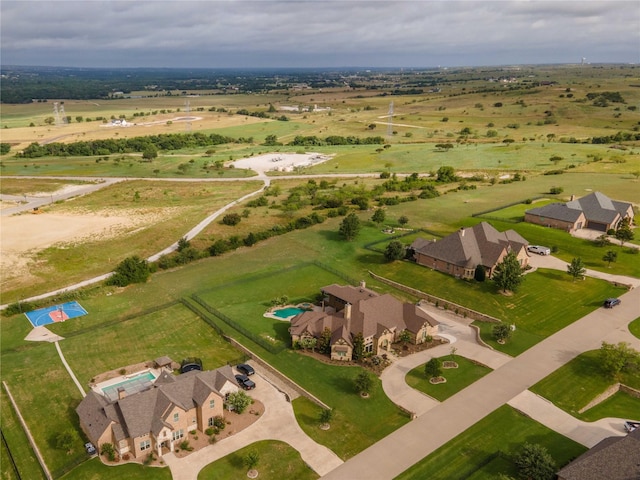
{"points": [[473, 452], [19, 446], [634, 327], [457, 378], [94, 469], [575, 384], [620, 405], [277, 460]]}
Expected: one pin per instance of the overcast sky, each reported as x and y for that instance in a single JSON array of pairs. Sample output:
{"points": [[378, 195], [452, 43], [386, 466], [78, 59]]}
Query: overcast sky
{"points": [[316, 33]]}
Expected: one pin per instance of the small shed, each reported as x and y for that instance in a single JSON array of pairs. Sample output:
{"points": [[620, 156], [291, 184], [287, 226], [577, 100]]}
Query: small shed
{"points": [[163, 362]]}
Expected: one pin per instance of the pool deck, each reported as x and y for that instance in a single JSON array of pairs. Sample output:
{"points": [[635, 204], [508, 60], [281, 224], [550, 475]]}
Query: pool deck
{"points": [[100, 387]]}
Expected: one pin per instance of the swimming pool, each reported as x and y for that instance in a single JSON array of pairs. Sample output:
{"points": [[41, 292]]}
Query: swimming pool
{"points": [[135, 384], [285, 313]]}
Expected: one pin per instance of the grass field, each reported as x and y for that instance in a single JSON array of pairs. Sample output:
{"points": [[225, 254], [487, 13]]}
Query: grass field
{"points": [[634, 327], [575, 384], [472, 454], [457, 378], [277, 460]]}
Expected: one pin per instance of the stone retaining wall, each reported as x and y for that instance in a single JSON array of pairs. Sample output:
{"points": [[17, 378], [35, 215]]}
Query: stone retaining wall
{"points": [[612, 390]]}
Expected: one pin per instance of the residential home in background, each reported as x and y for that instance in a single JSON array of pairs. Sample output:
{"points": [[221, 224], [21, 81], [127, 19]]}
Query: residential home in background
{"points": [[614, 458], [595, 211], [460, 253], [348, 311], [157, 418]]}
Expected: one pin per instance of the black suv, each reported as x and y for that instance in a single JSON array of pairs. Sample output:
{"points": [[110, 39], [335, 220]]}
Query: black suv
{"points": [[245, 369], [611, 302]]}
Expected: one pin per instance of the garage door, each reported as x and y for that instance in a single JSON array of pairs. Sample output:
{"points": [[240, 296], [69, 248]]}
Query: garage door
{"points": [[602, 227]]}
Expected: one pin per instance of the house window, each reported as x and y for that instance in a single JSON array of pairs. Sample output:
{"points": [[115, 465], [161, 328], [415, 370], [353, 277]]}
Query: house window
{"points": [[212, 403], [178, 434], [176, 417], [145, 444], [210, 422]]}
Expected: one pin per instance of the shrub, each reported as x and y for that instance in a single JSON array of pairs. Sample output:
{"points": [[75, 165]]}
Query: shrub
{"points": [[231, 219], [108, 451], [556, 190], [131, 270], [186, 446], [218, 422], [239, 401]]}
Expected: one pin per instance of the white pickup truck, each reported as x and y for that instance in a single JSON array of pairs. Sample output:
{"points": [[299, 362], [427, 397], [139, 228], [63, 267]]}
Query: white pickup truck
{"points": [[540, 250]]}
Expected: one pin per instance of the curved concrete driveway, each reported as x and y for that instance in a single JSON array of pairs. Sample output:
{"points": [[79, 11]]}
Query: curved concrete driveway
{"points": [[277, 423]]}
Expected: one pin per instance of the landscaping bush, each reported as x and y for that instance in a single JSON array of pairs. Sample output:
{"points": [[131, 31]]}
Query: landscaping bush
{"points": [[108, 451], [130, 270]]}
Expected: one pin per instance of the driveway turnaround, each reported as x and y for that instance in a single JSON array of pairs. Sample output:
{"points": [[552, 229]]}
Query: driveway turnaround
{"points": [[277, 423], [411, 443]]}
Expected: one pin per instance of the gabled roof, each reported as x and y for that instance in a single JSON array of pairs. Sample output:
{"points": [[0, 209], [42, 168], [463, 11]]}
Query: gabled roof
{"points": [[468, 247], [596, 207], [614, 458], [348, 293], [148, 411]]}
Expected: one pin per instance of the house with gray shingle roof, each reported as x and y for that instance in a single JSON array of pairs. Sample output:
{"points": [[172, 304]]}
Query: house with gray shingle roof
{"points": [[350, 311], [158, 418], [460, 253], [595, 211], [614, 458]]}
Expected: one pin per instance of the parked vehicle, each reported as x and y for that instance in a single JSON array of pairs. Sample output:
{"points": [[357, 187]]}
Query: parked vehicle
{"points": [[245, 383], [611, 302], [631, 426], [91, 450], [539, 249], [245, 369]]}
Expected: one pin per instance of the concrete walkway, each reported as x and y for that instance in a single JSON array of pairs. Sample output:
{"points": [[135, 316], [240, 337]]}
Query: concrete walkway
{"points": [[411, 443], [277, 423], [546, 413], [71, 374]]}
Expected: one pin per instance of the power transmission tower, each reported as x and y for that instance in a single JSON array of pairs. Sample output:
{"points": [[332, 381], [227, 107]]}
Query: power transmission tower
{"points": [[390, 121], [187, 109]]}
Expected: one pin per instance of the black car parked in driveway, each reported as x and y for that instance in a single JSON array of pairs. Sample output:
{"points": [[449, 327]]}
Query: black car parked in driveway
{"points": [[245, 369], [611, 302], [245, 383]]}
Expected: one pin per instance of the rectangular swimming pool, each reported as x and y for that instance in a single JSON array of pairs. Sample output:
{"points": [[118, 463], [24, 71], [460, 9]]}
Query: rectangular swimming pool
{"points": [[132, 385]]}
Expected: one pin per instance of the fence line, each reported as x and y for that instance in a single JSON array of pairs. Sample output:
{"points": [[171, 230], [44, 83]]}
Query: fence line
{"points": [[13, 462]]}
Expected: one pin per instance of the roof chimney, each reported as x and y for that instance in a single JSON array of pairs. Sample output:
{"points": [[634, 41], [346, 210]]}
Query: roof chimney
{"points": [[462, 232], [573, 197], [347, 312], [121, 393], [363, 284]]}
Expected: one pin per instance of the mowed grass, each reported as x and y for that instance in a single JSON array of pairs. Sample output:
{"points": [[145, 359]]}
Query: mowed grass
{"points": [[94, 469], [277, 460], [459, 378], [19, 450], [577, 383], [505, 430], [30, 186], [145, 338]]}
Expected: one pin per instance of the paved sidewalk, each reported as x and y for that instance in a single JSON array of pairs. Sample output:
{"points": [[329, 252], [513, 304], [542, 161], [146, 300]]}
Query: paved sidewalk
{"points": [[546, 413], [277, 423]]}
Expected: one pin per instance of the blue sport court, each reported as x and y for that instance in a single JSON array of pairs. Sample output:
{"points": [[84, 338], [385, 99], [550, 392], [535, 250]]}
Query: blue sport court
{"points": [[56, 313]]}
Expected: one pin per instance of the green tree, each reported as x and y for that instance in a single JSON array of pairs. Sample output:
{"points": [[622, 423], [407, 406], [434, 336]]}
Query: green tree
{"points": [[576, 268], [5, 148], [130, 270], [183, 244], [432, 368], [231, 219], [446, 174], [508, 273], [108, 451], [405, 336], [501, 332], [403, 220], [395, 251], [308, 343], [350, 227], [271, 141], [609, 257], [239, 401], [480, 274], [251, 459], [49, 120], [363, 383], [379, 216], [535, 463], [602, 241], [624, 232], [326, 414], [150, 152], [358, 346], [614, 359], [324, 342], [64, 441]]}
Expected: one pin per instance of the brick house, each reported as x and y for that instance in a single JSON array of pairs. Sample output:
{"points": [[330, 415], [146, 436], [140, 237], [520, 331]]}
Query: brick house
{"points": [[158, 418], [461, 252], [595, 211], [348, 311]]}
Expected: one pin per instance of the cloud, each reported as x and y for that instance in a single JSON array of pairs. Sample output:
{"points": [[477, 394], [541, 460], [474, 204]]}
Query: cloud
{"points": [[235, 33]]}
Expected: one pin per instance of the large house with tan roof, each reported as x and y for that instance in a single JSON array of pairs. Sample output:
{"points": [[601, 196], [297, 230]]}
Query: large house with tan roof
{"points": [[348, 311], [157, 419], [595, 211], [461, 252]]}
